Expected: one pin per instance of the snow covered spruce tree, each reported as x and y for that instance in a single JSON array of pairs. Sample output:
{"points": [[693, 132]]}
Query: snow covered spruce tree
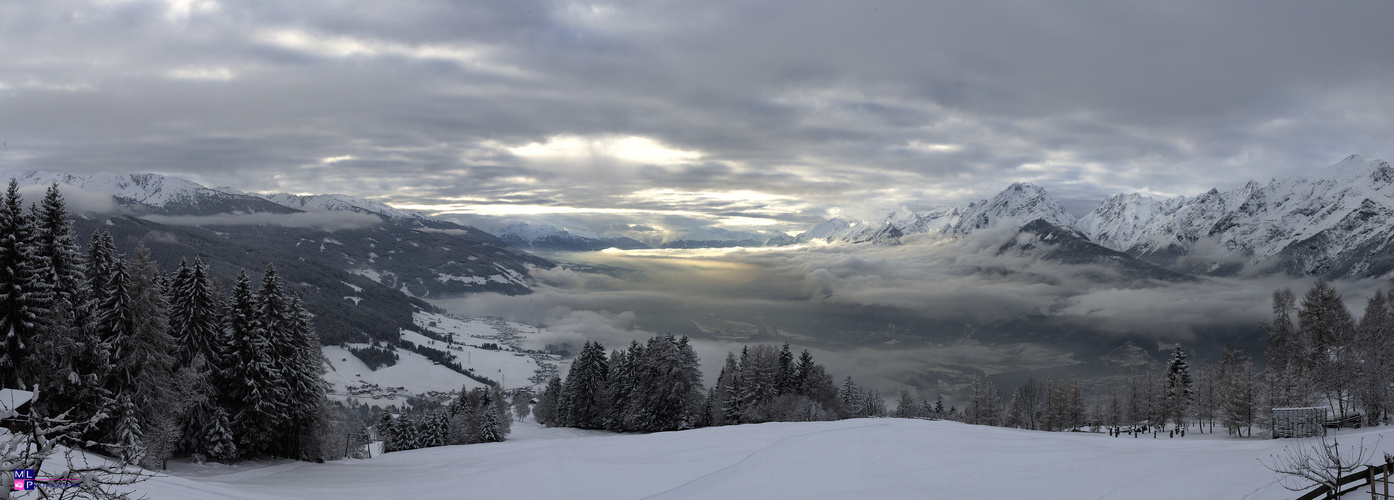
{"points": [[620, 386], [252, 381], [668, 393], [545, 411], [725, 397], [132, 322], [195, 324], [24, 294], [583, 396], [71, 348], [1180, 391], [272, 385]]}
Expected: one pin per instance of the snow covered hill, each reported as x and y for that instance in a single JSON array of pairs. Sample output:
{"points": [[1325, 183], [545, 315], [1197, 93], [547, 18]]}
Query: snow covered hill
{"points": [[506, 352], [863, 458]]}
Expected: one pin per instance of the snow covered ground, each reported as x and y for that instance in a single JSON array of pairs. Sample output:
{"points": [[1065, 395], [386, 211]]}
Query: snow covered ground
{"points": [[414, 374], [864, 458]]}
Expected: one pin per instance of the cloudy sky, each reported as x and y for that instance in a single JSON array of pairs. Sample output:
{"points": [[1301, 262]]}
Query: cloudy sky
{"points": [[742, 114]]}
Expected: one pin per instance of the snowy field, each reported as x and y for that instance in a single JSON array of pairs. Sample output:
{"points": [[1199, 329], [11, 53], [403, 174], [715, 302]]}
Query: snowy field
{"points": [[864, 458], [414, 374]]}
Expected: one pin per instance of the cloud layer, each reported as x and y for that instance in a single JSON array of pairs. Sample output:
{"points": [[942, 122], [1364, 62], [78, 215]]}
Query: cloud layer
{"points": [[897, 314], [662, 109]]}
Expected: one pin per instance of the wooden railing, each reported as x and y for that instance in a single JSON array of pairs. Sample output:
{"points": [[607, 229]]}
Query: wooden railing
{"points": [[1368, 476]]}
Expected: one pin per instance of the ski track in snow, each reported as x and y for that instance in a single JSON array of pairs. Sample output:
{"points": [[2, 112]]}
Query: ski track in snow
{"points": [[677, 492]]}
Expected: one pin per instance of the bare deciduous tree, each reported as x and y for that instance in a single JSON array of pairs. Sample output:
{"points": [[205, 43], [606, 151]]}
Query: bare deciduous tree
{"points": [[1318, 461]]}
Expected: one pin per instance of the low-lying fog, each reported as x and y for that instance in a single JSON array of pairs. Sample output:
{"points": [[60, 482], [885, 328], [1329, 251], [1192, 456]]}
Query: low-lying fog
{"points": [[923, 315]]}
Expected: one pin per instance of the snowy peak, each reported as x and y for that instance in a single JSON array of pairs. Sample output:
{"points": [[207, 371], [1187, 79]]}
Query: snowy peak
{"points": [[154, 193], [337, 203], [829, 230], [1020, 203], [1332, 222], [1122, 219]]}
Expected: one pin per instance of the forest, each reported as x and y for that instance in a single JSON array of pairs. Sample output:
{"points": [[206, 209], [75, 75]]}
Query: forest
{"points": [[139, 365]]}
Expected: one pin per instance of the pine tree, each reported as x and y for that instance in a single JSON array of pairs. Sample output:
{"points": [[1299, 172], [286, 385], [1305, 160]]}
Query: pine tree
{"points": [[583, 400], [1180, 390], [851, 398], [802, 370], [101, 265], [148, 365], [386, 428], [906, 407], [218, 441], [71, 351], [305, 384], [546, 409], [252, 381], [759, 373], [668, 389], [726, 395], [24, 294], [489, 428], [194, 317], [786, 380], [127, 434], [620, 386]]}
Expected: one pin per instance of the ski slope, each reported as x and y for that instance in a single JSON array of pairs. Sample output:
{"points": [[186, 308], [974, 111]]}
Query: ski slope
{"points": [[863, 458]]}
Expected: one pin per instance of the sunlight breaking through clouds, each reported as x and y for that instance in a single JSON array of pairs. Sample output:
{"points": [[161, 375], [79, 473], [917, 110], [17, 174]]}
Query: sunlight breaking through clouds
{"points": [[630, 148]]}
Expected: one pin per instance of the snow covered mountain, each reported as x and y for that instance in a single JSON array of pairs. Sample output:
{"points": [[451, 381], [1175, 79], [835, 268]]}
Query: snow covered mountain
{"points": [[338, 203], [1337, 222], [153, 193], [404, 250], [1019, 204]]}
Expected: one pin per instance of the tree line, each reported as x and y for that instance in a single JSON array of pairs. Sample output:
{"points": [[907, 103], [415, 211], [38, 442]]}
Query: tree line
{"points": [[657, 386], [474, 416], [1317, 354], [152, 364]]}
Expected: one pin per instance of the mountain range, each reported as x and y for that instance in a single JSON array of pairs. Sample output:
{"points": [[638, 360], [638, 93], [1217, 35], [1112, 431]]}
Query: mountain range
{"points": [[360, 266], [1337, 222]]}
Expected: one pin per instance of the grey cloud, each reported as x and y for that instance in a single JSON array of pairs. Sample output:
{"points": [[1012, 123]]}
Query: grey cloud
{"points": [[77, 200], [817, 102]]}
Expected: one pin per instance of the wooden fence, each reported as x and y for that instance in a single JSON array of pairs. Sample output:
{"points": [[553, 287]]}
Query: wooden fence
{"points": [[1372, 475]]}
